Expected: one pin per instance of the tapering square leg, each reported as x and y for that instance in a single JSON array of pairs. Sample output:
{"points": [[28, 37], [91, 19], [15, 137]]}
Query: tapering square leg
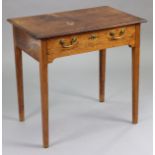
{"points": [[102, 69], [135, 75], [44, 93], [19, 77]]}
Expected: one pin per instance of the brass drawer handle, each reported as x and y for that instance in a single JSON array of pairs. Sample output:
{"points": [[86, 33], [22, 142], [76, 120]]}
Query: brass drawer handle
{"points": [[93, 37], [112, 34], [72, 43]]}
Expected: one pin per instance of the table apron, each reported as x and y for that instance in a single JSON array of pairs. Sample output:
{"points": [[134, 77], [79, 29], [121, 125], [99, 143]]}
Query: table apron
{"points": [[91, 41]]}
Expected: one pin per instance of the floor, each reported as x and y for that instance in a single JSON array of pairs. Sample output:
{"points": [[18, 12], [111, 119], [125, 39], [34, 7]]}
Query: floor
{"points": [[79, 124]]}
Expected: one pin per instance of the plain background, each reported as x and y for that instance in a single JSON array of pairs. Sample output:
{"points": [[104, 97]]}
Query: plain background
{"points": [[79, 124]]}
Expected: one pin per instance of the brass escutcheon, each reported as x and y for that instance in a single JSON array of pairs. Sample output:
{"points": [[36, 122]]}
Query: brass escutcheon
{"points": [[93, 37]]}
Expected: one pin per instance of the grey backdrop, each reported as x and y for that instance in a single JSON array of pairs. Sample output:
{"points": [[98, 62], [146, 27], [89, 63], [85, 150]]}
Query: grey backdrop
{"points": [[79, 124]]}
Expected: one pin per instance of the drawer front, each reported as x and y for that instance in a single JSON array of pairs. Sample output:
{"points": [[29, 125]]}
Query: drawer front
{"points": [[70, 45]]}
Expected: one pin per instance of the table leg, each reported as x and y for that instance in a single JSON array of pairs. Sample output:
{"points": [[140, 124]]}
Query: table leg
{"points": [[102, 68], [135, 75], [19, 77], [44, 95]]}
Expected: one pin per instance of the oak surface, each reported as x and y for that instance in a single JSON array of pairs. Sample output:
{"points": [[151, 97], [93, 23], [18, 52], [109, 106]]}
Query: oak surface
{"points": [[43, 65], [102, 70], [27, 43], [135, 75], [19, 78], [74, 22], [85, 44]]}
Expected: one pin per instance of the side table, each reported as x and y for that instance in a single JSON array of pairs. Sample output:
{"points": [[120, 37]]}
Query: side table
{"points": [[50, 36]]}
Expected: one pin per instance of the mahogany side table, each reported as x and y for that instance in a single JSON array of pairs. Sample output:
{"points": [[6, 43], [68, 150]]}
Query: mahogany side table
{"points": [[50, 36]]}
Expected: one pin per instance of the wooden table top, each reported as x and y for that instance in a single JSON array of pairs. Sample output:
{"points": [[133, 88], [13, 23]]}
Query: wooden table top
{"points": [[74, 22]]}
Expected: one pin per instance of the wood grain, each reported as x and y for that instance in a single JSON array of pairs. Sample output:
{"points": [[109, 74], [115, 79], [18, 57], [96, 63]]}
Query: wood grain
{"points": [[102, 70], [19, 78], [27, 43], [135, 75], [44, 92], [85, 44], [74, 22]]}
